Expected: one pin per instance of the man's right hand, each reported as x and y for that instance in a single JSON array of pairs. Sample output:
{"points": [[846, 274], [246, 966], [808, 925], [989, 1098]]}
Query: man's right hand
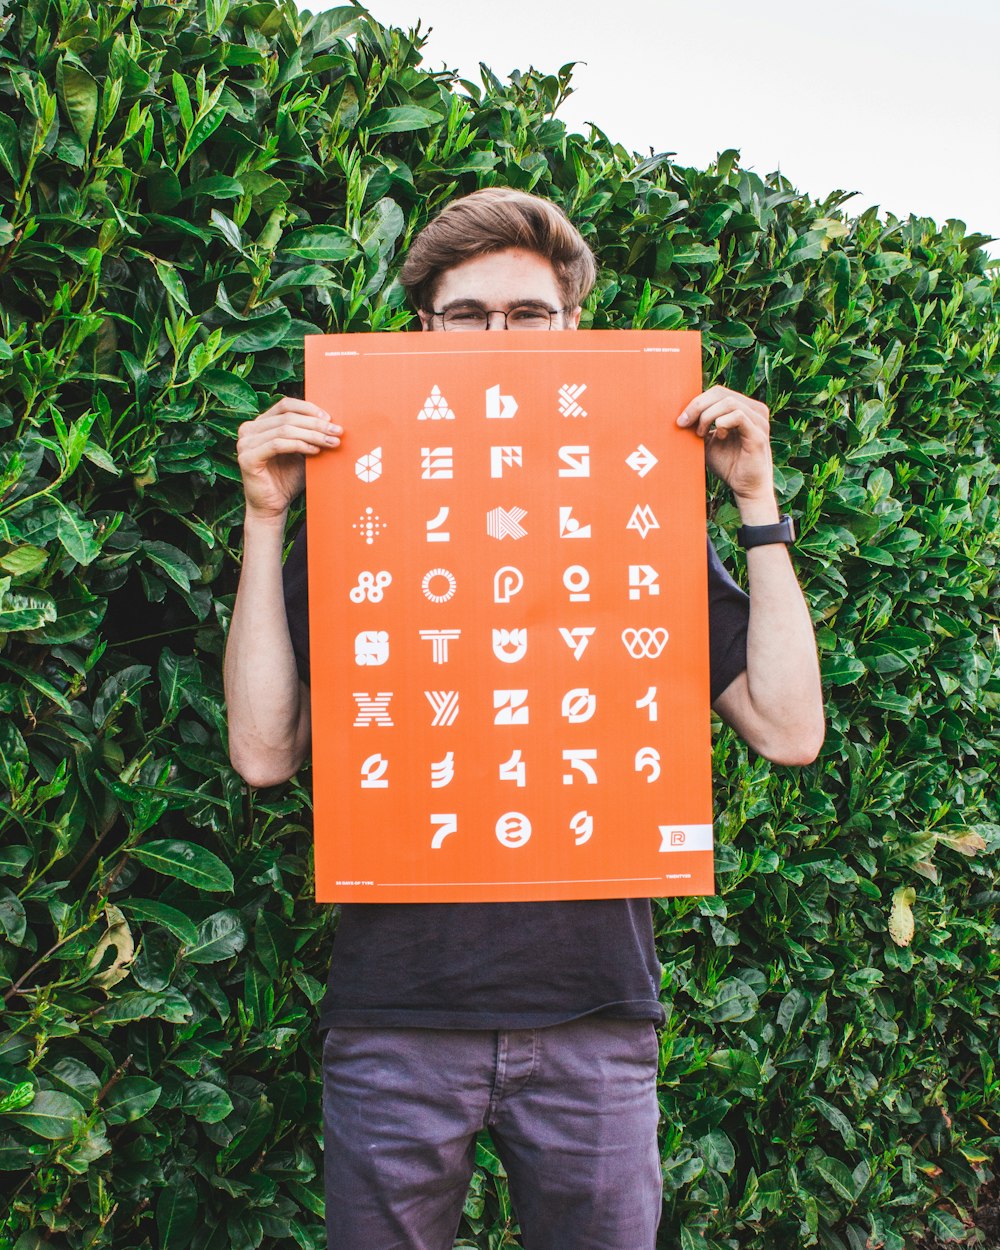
{"points": [[271, 451]]}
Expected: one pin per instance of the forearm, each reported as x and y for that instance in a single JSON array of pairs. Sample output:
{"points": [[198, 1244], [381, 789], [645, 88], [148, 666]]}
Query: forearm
{"points": [[267, 705], [782, 714], [776, 705]]}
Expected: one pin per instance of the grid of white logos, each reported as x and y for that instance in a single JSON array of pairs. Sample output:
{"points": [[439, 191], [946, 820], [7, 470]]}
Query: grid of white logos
{"points": [[507, 526]]}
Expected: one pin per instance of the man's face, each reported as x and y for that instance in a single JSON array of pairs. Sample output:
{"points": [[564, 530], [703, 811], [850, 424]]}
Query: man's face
{"points": [[499, 282]]}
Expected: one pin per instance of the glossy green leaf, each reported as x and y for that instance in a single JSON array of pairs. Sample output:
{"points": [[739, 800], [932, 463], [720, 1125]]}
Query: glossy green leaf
{"points": [[178, 566], [13, 921], [172, 283], [718, 1151], [176, 1213], [272, 941], [78, 94], [10, 156], [132, 1098], [50, 1114], [26, 559], [220, 936], [20, 1096], [187, 861], [206, 1102], [318, 243], [156, 912], [14, 859], [232, 391], [169, 1005], [76, 533], [400, 118], [838, 1177], [734, 1000]]}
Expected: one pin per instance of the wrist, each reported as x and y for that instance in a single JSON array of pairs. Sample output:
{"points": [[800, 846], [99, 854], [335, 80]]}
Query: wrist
{"points": [[759, 509], [264, 521]]}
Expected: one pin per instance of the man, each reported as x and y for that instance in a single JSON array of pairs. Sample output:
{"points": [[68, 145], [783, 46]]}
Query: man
{"points": [[535, 1020]]}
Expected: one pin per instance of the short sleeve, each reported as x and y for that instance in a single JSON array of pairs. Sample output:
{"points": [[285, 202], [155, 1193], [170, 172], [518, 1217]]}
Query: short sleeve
{"points": [[295, 584], [728, 616]]}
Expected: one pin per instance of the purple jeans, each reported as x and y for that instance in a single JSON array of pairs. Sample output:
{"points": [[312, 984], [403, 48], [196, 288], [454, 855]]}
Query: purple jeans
{"points": [[572, 1111]]}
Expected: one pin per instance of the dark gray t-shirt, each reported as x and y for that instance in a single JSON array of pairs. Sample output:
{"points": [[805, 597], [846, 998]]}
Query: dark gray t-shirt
{"points": [[502, 965]]}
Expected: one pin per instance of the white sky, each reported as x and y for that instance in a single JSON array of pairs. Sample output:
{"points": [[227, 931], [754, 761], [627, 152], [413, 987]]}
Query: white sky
{"points": [[893, 99]]}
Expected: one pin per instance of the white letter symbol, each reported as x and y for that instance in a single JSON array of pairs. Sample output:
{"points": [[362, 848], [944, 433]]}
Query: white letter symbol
{"points": [[568, 395], [510, 645], [372, 708], [499, 406], [578, 705], [513, 829], [445, 705], [511, 707], [435, 407], [446, 822], [576, 579], [641, 460], [577, 639], [373, 772], [642, 577], [443, 771], [371, 586], [579, 761], [369, 525], [434, 524], [582, 825], [437, 462], [507, 582], [439, 639], [648, 757], [369, 468], [501, 523], [642, 520], [513, 769], [500, 456], [649, 700], [371, 647], [570, 527], [439, 585], [645, 643], [577, 461]]}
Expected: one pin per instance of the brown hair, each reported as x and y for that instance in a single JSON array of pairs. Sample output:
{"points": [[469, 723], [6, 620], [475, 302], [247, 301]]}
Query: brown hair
{"points": [[492, 220]]}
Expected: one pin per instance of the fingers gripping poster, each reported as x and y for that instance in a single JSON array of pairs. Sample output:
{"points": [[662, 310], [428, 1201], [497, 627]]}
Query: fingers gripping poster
{"points": [[508, 614]]}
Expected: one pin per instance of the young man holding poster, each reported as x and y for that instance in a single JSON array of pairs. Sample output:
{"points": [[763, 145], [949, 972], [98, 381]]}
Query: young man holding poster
{"points": [[536, 1020]]}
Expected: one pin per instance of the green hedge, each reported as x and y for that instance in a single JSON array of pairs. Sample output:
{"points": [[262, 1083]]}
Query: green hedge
{"points": [[188, 188]]}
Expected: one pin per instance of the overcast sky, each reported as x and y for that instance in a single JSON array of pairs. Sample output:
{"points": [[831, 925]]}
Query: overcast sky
{"points": [[893, 99]]}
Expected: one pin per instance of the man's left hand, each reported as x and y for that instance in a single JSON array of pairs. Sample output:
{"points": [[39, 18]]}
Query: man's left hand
{"points": [[736, 430]]}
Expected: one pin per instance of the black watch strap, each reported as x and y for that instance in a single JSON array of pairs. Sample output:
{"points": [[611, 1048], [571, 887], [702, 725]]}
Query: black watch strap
{"points": [[783, 531]]}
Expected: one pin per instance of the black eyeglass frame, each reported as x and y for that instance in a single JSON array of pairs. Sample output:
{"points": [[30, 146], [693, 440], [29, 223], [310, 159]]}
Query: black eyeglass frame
{"points": [[499, 312]]}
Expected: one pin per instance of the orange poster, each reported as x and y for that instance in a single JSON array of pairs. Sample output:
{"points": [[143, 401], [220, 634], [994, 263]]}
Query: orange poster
{"points": [[509, 621]]}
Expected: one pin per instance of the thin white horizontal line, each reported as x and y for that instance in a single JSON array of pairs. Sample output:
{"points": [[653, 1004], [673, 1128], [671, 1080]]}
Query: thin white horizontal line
{"points": [[558, 881], [512, 351]]}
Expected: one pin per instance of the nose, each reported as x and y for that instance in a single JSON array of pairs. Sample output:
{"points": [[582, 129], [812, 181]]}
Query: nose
{"points": [[491, 324]]}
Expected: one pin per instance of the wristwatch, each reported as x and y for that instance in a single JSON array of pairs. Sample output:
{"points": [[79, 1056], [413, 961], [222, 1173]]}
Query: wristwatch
{"points": [[762, 535]]}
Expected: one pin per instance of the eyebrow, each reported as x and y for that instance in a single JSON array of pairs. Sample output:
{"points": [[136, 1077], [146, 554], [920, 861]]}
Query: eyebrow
{"points": [[478, 304]]}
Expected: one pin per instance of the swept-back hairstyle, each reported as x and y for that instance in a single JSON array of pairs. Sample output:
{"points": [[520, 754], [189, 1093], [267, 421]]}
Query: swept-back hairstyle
{"points": [[492, 220]]}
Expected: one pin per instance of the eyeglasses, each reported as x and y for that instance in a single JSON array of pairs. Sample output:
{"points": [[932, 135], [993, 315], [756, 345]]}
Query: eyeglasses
{"points": [[520, 317]]}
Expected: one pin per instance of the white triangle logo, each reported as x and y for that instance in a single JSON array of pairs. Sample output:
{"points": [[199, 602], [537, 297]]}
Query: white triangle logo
{"points": [[435, 407]]}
